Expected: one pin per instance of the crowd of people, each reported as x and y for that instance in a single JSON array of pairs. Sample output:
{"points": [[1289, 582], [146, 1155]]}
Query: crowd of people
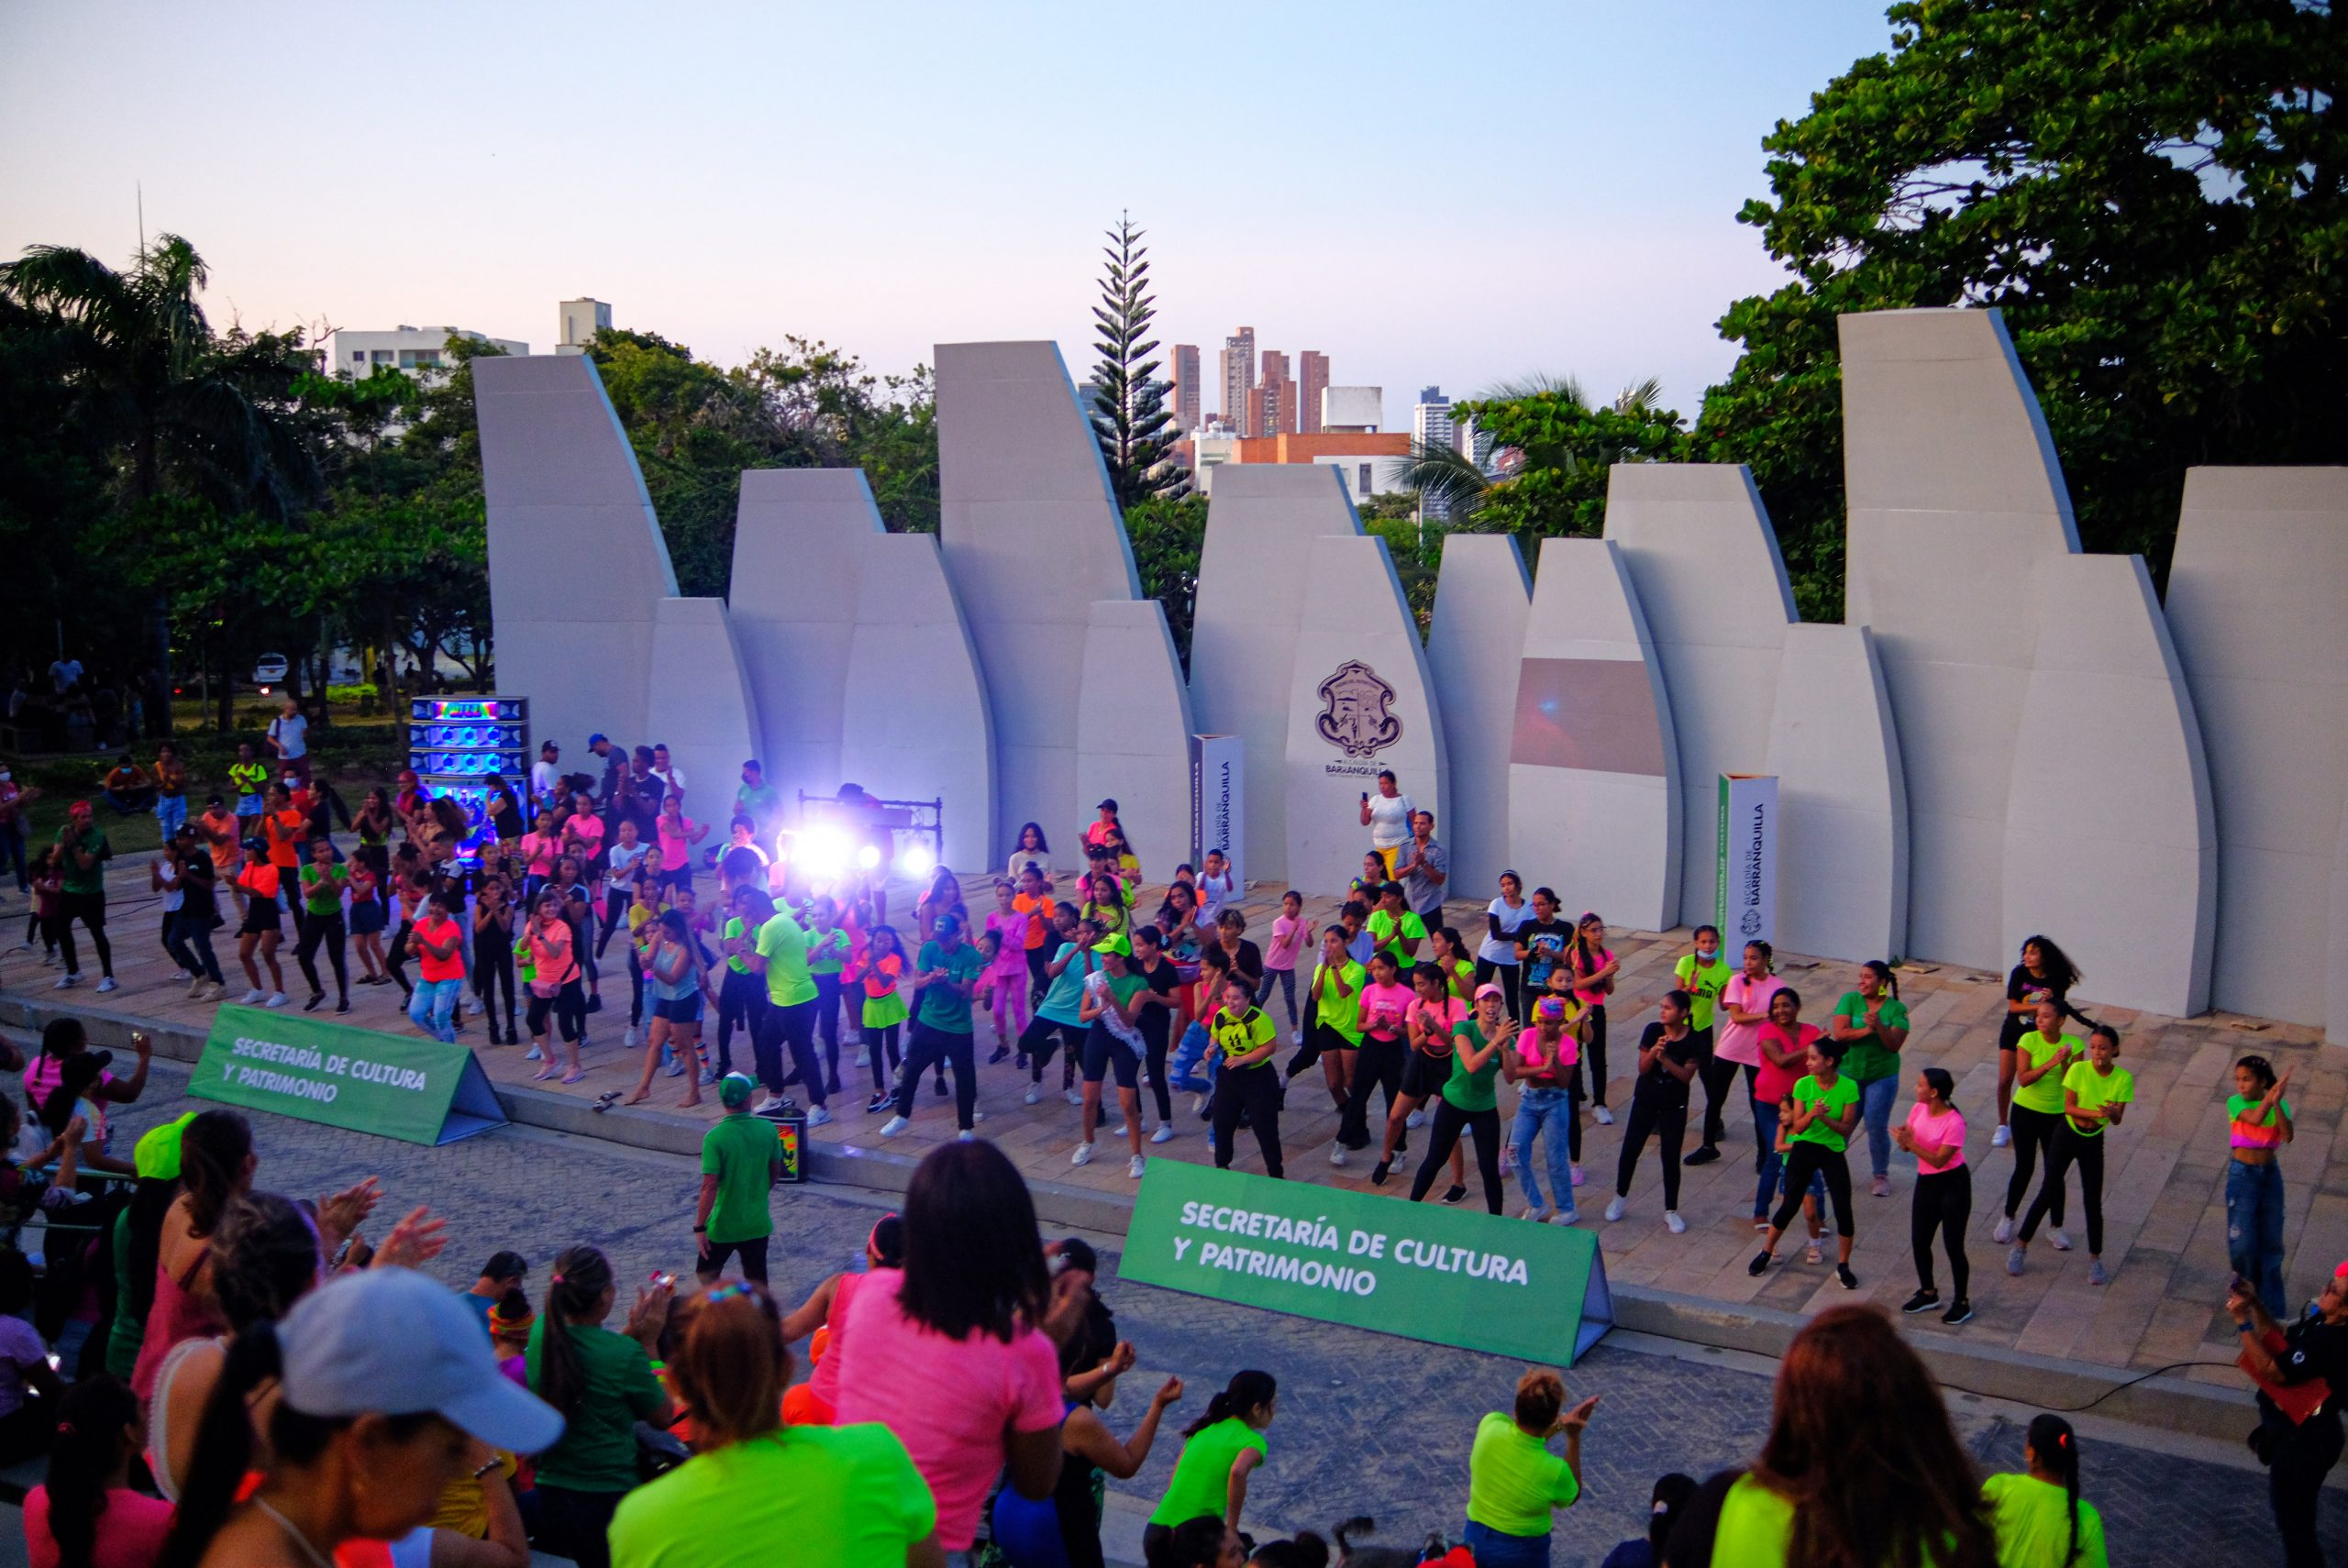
{"points": [[266, 1386]]}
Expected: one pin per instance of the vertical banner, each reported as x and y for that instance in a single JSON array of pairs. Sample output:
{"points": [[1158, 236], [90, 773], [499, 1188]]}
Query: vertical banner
{"points": [[1219, 799], [1745, 902]]}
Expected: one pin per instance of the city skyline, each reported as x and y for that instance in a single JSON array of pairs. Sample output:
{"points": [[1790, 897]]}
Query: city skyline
{"points": [[900, 194]]}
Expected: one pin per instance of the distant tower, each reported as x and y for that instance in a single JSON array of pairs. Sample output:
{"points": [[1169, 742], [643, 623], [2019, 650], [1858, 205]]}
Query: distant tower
{"points": [[582, 319], [1312, 381], [1239, 379], [1185, 403], [1278, 399], [1431, 425]]}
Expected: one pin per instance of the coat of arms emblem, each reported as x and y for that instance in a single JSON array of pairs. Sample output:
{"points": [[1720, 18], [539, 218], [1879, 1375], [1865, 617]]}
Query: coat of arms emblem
{"points": [[1355, 714]]}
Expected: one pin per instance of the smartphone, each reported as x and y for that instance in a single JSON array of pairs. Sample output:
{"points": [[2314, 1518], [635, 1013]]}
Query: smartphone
{"points": [[659, 1280]]}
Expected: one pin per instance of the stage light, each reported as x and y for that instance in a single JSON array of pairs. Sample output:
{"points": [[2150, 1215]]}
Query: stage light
{"points": [[823, 852], [918, 862], [867, 857]]}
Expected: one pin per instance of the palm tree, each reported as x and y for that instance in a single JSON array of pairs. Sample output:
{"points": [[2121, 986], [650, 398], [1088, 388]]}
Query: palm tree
{"points": [[1450, 483], [187, 412]]}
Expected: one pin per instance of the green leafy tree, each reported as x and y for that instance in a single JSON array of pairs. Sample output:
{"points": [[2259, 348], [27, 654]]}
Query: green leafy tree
{"points": [[2153, 191], [1167, 534], [1551, 451], [1129, 416]]}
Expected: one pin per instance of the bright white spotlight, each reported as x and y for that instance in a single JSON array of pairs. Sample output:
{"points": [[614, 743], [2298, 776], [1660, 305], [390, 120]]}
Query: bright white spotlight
{"points": [[867, 857], [823, 852], [918, 862]]}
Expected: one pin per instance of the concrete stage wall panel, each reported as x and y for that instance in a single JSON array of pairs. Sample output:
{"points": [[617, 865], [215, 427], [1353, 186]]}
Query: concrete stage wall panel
{"points": [[1842, 801], [1031, 536], [797, 539], [1705, 561], [560, 484], [917, 723], [1956, 501], [1594, 802], [2256, 593], [2110, 841], [1360, 700], [701, 708], [1133, 731], [1252, 587], [1483, 599]]}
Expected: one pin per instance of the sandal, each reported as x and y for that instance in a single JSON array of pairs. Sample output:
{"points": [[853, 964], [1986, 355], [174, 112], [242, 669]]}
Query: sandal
{"points": [[1814, 1255]]}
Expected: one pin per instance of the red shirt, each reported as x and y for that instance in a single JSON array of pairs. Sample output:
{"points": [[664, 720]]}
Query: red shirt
{"points": [[436, 930]]}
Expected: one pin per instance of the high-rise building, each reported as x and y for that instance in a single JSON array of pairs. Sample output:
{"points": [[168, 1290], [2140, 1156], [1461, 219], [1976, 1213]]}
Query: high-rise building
{"points": [[582, 319], [1311, 380], [1239, 379], [1432, 426], [1276, 400], [1184, 403]]}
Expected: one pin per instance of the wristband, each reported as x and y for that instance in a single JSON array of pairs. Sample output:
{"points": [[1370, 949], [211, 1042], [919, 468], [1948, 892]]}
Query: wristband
{"points": [[2242, 1327], [699, 1229]]}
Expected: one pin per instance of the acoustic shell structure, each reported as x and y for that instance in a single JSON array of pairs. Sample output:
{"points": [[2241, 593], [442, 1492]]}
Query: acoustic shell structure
{"points": [[1482, 601]]}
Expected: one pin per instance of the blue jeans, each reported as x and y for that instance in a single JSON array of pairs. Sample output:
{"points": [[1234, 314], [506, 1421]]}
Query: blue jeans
{"points": [[2255, 1229], [1876, 1100], [433, 1007], [1493, 1550], [170, 814], [1771, 1164], [1555, 1109]]}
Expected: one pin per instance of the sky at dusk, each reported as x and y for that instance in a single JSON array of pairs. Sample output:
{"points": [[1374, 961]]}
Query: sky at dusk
{"points": [[1428, 194]]}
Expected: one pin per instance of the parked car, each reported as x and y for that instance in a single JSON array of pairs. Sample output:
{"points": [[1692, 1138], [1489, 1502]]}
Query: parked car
{"points": [[269, 671]]}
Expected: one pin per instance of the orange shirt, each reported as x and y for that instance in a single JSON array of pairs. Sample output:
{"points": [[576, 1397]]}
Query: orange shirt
{"points": [[285, 831], [1040, 927], [436, 930]]}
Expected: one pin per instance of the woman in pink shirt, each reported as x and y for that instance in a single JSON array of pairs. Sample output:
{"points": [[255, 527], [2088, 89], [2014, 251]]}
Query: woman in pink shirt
{"points": [[1744, 1009], [1006, 978], [677, 834], [958, 1354], [1595, 969], [1288, 931], [1384, 1020], [539, 848], [88, 1500], [1935, 1135], [1784, 1045]]}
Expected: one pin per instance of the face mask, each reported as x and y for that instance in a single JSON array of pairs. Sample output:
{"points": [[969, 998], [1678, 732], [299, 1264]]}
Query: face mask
{"points": [[1706, 955]]}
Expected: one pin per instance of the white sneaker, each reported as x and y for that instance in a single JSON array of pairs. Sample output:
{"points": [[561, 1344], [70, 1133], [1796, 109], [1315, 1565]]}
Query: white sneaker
{"points": [[2001, 1137], [2062, 1242], [977, 1116], [819, 1116], [1197, 1105], [864, 1056], [1133, 1167], [1119, 1131], [894, 1125], [66, 982], [1336, 1152], [967, 1136], [1673, 1223], [1615, 1208], [252, 998], [1075, 1096], [1296, 1037], [635, 1036], [534, 1054], [1084, 1155], [1536, 1213], [1881, 1187], [1566, 1217], [1415, 1121], [276, 999], [1035, 1093], [1163, 1133], [195, 984], [106, 983], [1605, 1118], [2005, 1230]]}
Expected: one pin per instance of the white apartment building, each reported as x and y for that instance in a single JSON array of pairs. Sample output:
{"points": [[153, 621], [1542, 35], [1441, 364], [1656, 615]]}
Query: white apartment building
{"points": [[421, 351], [1353, 411], [581, 319]]}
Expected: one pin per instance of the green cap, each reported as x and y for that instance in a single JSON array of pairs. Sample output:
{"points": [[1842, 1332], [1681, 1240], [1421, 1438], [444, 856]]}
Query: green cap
{"points": [[157, 1153], [1115, 943], [733, 1091]]}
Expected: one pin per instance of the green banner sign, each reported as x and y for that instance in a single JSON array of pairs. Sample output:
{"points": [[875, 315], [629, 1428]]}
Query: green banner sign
{"points": [[1478, 1281], [399, 1085]]}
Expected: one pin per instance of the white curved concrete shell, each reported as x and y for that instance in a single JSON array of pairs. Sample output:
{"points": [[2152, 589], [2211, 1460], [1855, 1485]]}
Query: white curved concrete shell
{"points": [[798, 539], [1483, 599], [2110, 836], [914, 717], [562, 485], [1133, 731], [1252, 587], [1713, 589], [1594, 802], [1360, 700], [2256, 593], [1956, 501], [1842, 801], [701, 707], [1031, 538]]}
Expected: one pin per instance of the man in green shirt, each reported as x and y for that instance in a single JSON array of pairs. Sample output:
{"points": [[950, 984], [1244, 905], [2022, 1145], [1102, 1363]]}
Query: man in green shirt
{"points": [[741, 1159], [942, 980], [781, 955], [84, 895]]}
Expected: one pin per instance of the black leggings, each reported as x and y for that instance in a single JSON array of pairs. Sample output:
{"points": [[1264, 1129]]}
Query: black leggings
{"points": [[1254, 1093], [2072, 1147], [1378, 1065], [578, 1524], [2033, 1131], [1448, 1120], [1593, 1052], [1153, 1034], [189, 941], [881, 1048], [1943, 1202], [327, 929], [90, 909], [790, 1028], [1666, 1120], [615, 901], [933, 1047], [1042, 1037], [1719, 1077], [1806, 1160], [741, 999], [569, 1006], [827, 1022], [494, 968], [1510, 975]]}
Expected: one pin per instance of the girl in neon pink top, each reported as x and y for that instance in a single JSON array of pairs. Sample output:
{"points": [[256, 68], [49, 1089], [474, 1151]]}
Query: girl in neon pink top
{"points": [[1594, 969], [1385, 1001], [677, 834], [1288, 931], [1745, 1002], [1006, 978], [1935, 1135], [1784, 1045]]}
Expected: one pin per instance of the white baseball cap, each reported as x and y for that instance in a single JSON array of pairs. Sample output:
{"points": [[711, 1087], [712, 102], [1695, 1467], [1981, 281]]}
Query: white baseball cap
{"points": [[391, 1341]]}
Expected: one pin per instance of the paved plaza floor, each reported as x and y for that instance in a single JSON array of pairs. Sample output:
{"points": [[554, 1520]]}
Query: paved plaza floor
{"points": [[2165, 1208]]}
